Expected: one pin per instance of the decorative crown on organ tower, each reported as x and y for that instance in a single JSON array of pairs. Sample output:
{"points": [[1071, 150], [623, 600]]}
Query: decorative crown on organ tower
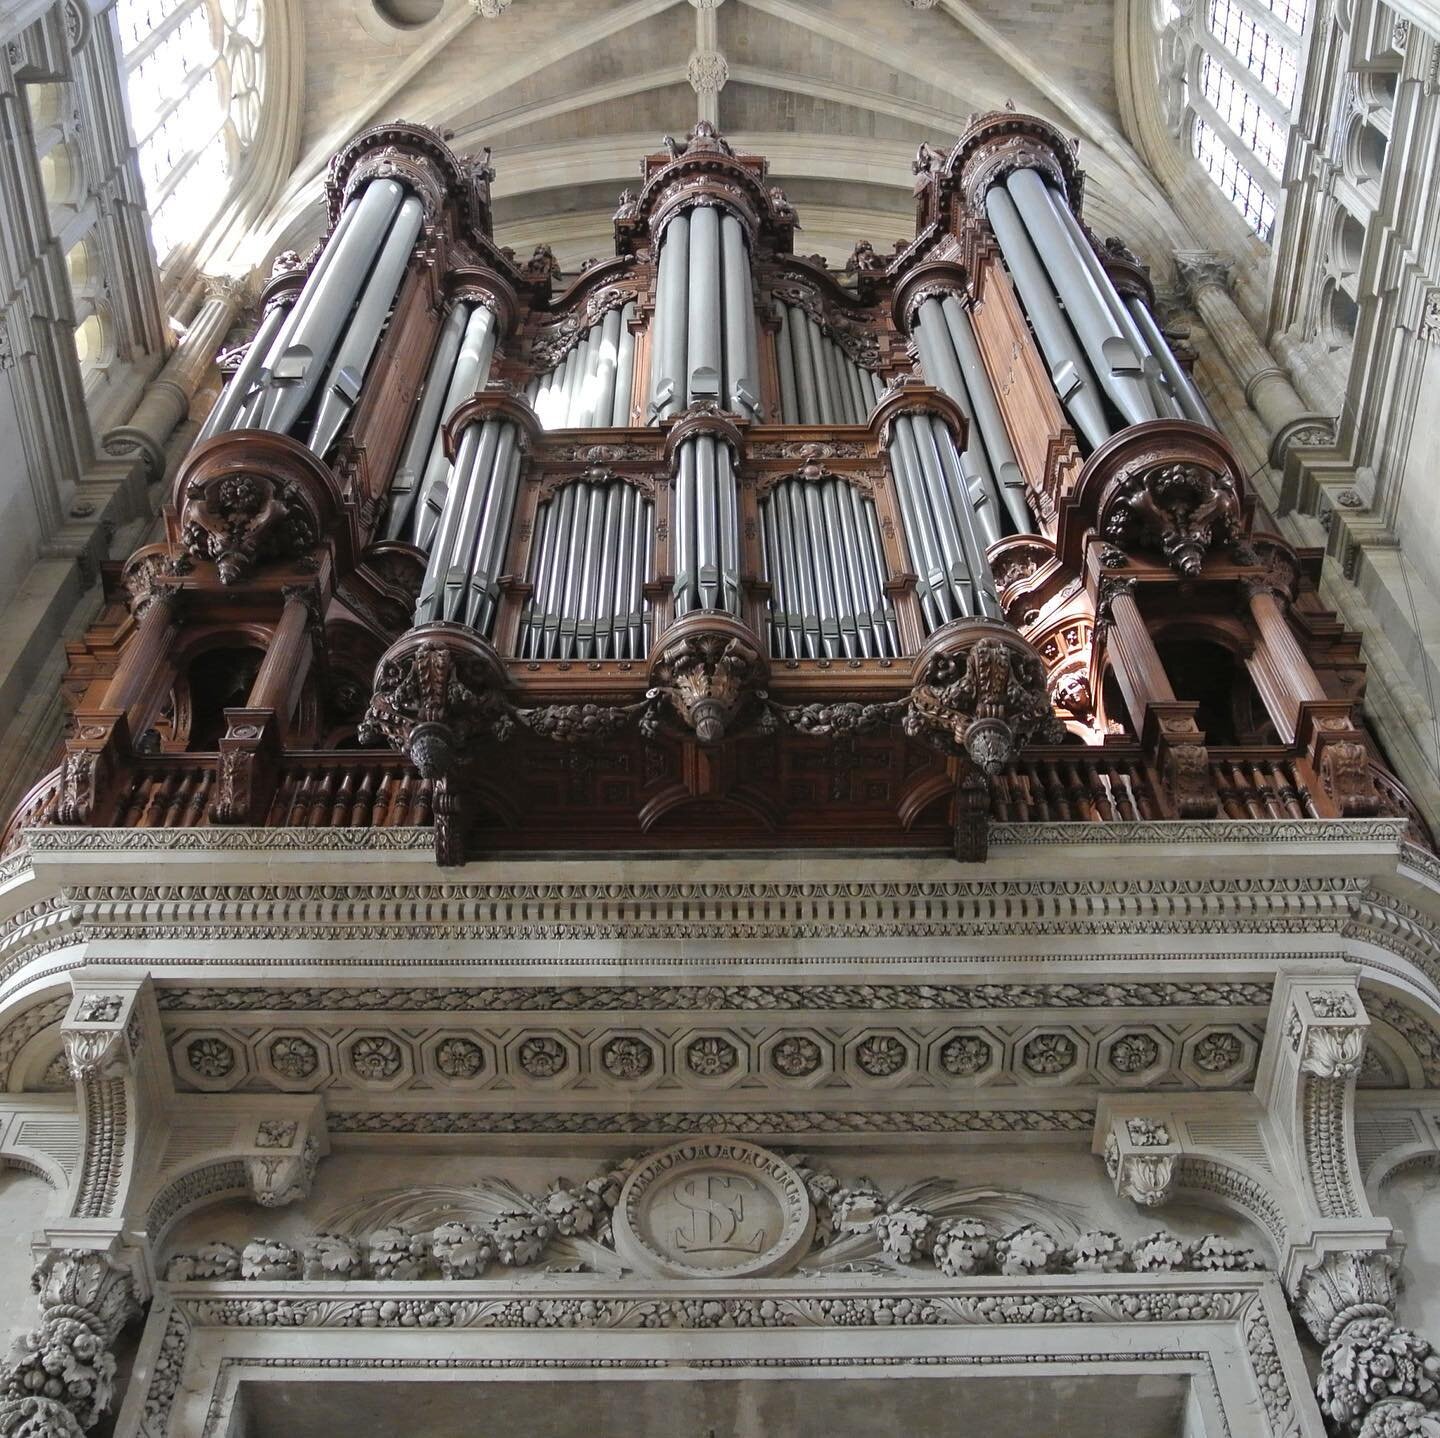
{"points": [[710, 543]]}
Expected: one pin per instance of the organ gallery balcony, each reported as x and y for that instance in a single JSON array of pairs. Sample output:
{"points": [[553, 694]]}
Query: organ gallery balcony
{"points": [[711, 544]]}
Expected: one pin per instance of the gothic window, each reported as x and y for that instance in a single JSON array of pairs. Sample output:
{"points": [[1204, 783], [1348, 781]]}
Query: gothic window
{"points": [[195, 74], [1230, 74]]}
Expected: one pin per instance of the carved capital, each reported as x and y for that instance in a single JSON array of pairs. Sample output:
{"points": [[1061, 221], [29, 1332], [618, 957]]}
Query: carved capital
{"points": [[437, 690], [708, 669], [980, 691], [1198, 270], [1346, 1285]]}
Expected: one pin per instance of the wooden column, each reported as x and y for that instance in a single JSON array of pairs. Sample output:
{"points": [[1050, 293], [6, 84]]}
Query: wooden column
{"points": [[140, 675], [1280, 668], [287, 658]]}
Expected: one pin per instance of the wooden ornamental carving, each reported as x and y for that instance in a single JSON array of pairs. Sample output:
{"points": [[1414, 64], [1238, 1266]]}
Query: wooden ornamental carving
{"points": [[238, 664], [708, 670]]}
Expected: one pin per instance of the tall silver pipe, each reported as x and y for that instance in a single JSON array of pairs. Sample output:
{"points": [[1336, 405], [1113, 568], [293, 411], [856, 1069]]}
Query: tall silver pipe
{"points": [[627, 538], [253, 403], [244, 382], [472, 366], [707, 515], [569, 402], [411, 468], [704, 354], [982, 585], [640, 637], [591, 568], [804, 365], [824, 398], [686, 593], [921, 539], [474, 502], [825, 593], [742, 384], [1149, 364], [574, 574], [606, 369], [785, 367], [877, 552], [489, 559], [947, 505], [845, 536], [563, 527], [1069, 370], [1110, 352], [836, 542], [624, 369], [789, 575], [728, 521], [343, 379], [804, 552], [672, 288], [986, 412], [432, 588], [858, 395], [937, 350], [539, 572], [1191, 401], [295, 372]]}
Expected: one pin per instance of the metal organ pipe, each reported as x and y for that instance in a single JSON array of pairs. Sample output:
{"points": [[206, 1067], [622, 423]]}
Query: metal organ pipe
{"points": [[1187, 396], [303, 348], [1069, 370], [245, 382], [346, 374], [588, 567], [819, 382], [591, 386]]}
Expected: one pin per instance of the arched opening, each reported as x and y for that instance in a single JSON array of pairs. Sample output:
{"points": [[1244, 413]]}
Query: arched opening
{"points": [[217, 680], [1208, 674]]}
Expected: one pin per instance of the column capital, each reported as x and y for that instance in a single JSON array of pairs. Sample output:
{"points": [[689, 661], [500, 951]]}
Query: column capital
{"points": [[1202, 269]]}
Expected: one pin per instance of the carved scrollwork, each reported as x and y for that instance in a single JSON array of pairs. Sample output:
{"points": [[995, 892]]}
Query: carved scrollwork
{"points": [[437, 691], [1347, 778], [240, 520], [980, 692], [1180, 509], [708, 668]]}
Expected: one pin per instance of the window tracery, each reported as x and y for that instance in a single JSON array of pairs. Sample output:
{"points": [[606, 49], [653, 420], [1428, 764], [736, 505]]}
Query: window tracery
{"points": [[195, 77], [1229, 75]]}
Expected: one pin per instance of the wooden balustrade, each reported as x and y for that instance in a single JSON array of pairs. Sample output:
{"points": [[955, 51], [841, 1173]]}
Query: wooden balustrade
{"points": [[1259, 786]]}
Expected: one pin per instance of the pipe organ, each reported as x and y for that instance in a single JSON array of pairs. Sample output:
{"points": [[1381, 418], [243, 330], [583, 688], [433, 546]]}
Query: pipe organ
{"points": [[726, 518]]}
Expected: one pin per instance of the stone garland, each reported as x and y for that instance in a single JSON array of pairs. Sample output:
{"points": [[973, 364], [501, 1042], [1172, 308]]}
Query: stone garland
{"points": [[905, 1234], [60, 1376]]}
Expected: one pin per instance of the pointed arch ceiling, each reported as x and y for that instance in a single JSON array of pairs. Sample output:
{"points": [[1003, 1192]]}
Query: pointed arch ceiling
{"points": [[837, 93]]}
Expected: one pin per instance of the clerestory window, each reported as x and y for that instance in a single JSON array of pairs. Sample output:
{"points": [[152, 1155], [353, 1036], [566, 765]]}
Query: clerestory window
{"points": [[1231, 72], [194, 74]]}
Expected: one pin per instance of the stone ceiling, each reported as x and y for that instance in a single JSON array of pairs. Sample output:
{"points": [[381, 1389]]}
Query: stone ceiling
{"points": [[838, 94]]}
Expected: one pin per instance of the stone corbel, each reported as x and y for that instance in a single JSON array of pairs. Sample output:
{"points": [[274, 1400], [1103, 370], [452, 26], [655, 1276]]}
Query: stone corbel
{"points": [[1141, 1157]]}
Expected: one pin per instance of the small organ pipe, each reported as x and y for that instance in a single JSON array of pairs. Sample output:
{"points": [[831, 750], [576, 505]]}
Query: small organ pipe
{"points": [[825, 400], [341, 387], [428, 606], [559, 557], [472, 366], [785, 366], [499, 508], [804, 366], [686, 594], [624, 369], [984, 598], [605, 369], [471, 503], [804, 573], [295, 371], [921, 536], [1069, 370], [539, 565], [986, 413], [706, 530], [411, 468]]}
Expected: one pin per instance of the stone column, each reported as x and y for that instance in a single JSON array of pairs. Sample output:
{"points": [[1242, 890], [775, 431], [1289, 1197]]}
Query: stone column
{"points": [[1206, 280], [166, 400]]}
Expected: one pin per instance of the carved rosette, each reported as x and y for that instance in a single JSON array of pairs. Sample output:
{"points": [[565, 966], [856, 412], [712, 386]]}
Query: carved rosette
{"points": [[437, 691], [980, 692], [708, 668]]}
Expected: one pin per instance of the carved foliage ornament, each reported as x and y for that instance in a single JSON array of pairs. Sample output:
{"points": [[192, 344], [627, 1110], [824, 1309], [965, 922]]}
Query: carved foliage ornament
{"points": [[984, 699], [1179, 509], [707, 672], [243, 519]]}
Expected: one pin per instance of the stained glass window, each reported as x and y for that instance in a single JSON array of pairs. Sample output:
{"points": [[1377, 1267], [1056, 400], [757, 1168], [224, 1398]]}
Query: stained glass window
{"points": [[1236, 182]]}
